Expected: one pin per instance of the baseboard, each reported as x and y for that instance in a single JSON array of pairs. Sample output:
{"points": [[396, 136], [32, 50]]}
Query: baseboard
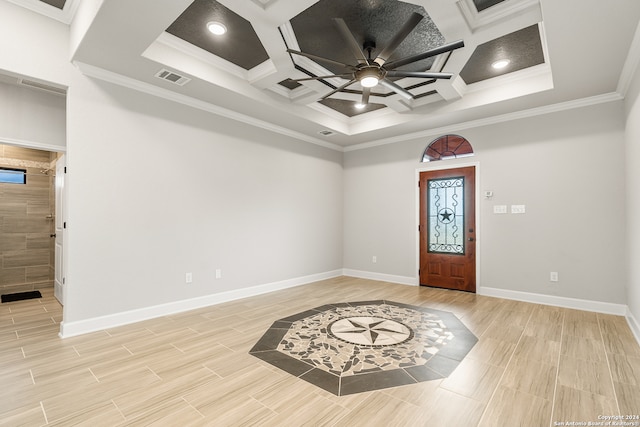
{"points": [[634, 325], [403, 280], [70, 329], [575, 303]]}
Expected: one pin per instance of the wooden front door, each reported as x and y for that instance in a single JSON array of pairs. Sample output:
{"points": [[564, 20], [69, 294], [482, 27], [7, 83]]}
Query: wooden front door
{"points": [[447, 229]]}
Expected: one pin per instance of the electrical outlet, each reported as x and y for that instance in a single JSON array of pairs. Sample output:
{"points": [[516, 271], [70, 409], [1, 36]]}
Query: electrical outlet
{"points": [[188, 278], [553, 276], [518, 209], [374, 259], [218, 273]]}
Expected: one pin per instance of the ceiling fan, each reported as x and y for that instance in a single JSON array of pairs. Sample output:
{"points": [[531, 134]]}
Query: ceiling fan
{"points": [[373, 71]]}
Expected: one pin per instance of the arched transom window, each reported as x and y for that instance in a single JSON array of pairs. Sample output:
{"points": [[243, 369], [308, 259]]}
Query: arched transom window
{"points": [[447, 147]]}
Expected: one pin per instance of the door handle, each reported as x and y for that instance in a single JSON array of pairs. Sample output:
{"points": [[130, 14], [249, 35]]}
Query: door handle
{"points": [[52, 235], [471, 239]]}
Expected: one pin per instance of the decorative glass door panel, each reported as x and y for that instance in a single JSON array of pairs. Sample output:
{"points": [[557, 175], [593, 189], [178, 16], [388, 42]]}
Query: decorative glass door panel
{"points": [[446, 215]]}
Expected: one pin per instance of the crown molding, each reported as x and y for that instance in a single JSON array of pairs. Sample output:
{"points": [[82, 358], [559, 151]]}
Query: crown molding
{"points": [[630, 65], [532, 112], [118, 79], [64, 15]]}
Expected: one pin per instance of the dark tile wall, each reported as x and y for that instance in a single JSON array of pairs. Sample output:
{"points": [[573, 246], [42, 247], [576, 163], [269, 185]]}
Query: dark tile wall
{"points": [[26, 222]]}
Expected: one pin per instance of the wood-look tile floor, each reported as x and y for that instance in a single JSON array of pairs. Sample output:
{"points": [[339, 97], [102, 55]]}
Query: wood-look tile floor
{"points": [[533, 365]]}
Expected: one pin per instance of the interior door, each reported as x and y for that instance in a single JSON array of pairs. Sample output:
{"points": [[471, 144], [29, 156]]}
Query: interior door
{"points": [[447, 229], [59, 230]]}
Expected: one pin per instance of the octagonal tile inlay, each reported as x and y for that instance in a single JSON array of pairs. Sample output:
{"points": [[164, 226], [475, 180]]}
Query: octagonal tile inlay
{"points": [[354, 347]]}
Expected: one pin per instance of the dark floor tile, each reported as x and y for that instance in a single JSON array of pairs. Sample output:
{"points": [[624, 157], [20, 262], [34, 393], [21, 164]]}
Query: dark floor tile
{"points": [[423, 373], [374, 381], [323, 379], [360, 303], [457, 348], [270, 340], [280, 324], [442, 365]]}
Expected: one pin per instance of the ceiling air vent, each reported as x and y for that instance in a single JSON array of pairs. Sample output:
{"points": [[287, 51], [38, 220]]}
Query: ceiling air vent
{"points": [[172, 77], [326, 133], [42, 86]]}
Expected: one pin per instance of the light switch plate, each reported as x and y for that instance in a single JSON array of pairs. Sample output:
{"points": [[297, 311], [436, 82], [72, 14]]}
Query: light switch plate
{"points": [[499, 209], [517, 209]]}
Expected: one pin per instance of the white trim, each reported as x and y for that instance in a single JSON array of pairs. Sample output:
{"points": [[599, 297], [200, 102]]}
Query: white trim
{"points": [[556, 301], [444, 165], [630, 64], [457, 127], [64, 15], [634, 325], [119, 79], [498, 12], [33, 144], [70, 329], [402, 280]]}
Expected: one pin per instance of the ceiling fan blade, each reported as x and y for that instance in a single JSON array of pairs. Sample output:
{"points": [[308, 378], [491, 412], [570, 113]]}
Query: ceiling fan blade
{"points": [[320, 58], [347, 35], [428, 54], [398, 38], [365, 95], [418, 74], [397, 89], [342, 76], [338, 89]]}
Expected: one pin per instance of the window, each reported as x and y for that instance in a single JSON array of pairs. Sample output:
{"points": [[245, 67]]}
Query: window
{"points": [[447, 147], [13, 176]]}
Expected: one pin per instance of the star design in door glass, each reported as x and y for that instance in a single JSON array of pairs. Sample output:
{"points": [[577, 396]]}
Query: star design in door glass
{"points": [[446, 215]]}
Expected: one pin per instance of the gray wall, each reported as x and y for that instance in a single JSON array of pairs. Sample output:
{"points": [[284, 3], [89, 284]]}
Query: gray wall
{"points": [[633, 198], [566, 167], [157, 189]]}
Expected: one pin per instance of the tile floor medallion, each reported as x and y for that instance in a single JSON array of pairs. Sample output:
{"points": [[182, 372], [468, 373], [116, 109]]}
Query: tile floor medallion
{"points": [[354, 347]]}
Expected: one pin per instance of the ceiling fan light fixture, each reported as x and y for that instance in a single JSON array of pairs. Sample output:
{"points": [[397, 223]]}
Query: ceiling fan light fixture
{"points": [[500, 64], [217, 28], [369, 81], [360, 105], [369, 76]]}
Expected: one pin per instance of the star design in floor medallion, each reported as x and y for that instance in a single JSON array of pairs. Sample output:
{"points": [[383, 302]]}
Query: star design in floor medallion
{"points": [[348, 348], [370, 331]]}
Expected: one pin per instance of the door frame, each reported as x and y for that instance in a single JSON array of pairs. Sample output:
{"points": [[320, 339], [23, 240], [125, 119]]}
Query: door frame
{"points": [[53, 149], [449, 164]]}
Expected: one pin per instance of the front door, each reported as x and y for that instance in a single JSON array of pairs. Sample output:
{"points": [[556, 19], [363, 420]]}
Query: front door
{"points": [[447, 229]]}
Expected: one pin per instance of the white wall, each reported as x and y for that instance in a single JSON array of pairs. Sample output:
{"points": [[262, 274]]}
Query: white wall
{"points": [[567, 168], [27, 115], [157, 189], [34, 45], [32, 116], [633, 199]]}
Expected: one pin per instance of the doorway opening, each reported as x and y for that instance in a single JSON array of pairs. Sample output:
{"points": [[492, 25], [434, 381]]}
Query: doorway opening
{"points": [[30, 211]]}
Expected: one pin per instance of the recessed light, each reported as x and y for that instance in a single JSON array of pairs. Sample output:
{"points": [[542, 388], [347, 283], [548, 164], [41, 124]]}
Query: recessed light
{"points": [[216, 28], [500, 64]]}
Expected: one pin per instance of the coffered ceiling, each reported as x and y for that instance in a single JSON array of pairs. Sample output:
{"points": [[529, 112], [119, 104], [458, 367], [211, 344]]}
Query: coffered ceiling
{"points": [[559, 52]]}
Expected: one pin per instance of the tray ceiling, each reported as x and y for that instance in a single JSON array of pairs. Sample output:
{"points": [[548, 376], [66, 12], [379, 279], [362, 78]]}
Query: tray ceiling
{"points": [[247, 73]]}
